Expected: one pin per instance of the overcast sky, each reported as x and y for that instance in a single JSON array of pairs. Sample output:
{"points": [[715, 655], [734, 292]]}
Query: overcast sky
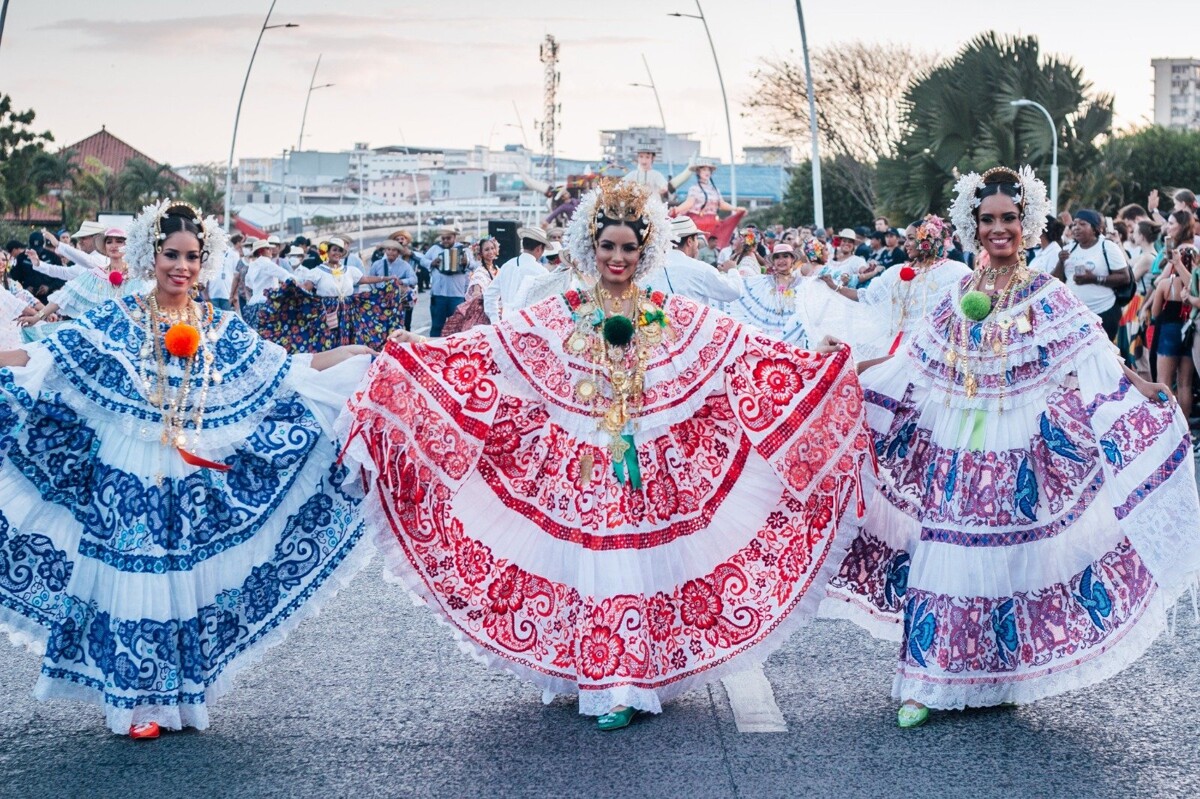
{"points": [[165, 76]]}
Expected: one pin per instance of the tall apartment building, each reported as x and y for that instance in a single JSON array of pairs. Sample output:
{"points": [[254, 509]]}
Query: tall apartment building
{"points": [[1177, 93]]}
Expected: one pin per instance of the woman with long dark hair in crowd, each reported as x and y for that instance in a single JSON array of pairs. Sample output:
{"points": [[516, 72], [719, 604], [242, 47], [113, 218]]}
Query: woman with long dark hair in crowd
{"points": [[1170, 310]]}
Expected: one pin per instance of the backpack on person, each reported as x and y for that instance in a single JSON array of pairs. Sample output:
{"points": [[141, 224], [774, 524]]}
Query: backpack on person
{"points": [[1124, 294]]}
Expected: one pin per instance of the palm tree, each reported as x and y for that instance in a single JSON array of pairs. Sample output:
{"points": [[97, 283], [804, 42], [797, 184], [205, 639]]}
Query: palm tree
{"points": [[98, 186], [205, 194], [143, 182], [958, 118], [56, 172]]}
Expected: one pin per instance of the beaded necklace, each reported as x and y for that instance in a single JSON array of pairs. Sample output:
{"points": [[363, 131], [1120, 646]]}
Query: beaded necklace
{"points": [[996, 324], [182, 407]]}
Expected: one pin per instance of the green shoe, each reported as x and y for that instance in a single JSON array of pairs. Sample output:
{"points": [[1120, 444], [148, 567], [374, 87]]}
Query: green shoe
{"points": [[616, 720], [911, 716]]}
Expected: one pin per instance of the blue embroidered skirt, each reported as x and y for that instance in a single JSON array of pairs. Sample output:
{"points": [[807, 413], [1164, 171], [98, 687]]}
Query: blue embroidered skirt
{"points": [[148, 582]]}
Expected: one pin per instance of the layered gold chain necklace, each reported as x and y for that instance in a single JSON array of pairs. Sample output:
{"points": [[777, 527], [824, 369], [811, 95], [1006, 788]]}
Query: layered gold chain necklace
{"points": [[187, 338], [996, 321], [616, 335]]}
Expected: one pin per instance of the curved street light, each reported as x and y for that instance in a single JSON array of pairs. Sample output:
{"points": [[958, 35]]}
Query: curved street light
{"points": [[1022, 103], [654, 88], [237, 117], [724, 99]]}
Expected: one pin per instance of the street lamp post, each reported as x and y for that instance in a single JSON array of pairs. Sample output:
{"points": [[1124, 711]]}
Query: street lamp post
{"points": [[818, 199], [362, 158], [283, 189], [654, 88], [728, 123], [312, 87], [238, 116], [1053, 151]]}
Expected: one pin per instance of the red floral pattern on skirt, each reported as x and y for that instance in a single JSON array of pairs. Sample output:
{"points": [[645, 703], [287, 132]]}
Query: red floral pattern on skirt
{"points": [[437, 416]]}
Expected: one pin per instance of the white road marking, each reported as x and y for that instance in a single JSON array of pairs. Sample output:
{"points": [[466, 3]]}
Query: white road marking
{"points": [[753, 702]]}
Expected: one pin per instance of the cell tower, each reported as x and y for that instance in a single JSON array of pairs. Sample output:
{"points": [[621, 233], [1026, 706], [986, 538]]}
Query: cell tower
{"points": [[549, 56]]}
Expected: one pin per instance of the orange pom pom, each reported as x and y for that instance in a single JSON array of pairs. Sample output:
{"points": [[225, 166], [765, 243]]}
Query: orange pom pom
{"points": [[182, 340]]}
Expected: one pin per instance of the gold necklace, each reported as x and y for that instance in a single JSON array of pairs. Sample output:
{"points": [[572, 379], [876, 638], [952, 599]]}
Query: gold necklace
{"points": [[615, 305], [178, 411], [619, 364], [995, 331]]}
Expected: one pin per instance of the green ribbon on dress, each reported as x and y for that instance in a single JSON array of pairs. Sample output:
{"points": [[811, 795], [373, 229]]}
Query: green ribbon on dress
{"points": [[628, 461]]}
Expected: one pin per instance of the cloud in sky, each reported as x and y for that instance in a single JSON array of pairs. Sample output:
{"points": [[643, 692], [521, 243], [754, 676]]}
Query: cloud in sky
{"points": [[166, 77]]}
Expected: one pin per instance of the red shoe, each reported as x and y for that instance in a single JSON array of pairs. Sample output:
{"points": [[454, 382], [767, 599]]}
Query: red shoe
{"points": [[144, 731]]}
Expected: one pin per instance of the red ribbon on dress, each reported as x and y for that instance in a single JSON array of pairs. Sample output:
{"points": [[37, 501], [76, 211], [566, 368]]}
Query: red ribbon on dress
{"points": [[195, 460]]}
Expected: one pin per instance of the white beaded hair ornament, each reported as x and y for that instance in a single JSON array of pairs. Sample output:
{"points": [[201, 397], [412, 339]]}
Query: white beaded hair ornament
{"points": [[145, 239], [1030, 199], [615, 202]]}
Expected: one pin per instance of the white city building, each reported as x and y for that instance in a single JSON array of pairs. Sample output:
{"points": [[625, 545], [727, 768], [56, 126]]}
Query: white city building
{"points": [[1177, 93]]}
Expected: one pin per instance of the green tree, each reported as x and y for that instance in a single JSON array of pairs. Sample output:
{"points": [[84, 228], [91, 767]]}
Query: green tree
{"points": [[841, 208], [1156, 158], [55, 173], [19, 150], [143, 183], [958, 118], [206, 194], [99, 188]]}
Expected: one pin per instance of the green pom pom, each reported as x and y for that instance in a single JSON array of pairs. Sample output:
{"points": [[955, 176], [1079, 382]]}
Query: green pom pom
{"points": [[976, 305], [618, 330]]}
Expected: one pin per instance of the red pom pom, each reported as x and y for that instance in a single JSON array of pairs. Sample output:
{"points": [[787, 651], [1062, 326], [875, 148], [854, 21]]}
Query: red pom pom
{"points": [[182, 340], [907, 273], [116, 278], [573, 299], [658, 298]]}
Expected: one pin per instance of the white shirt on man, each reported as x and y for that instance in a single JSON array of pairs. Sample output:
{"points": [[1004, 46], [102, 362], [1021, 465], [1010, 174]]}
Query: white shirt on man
{"points": [[503, 294], [1046, 259], [650, 178], [696, 280], [222, 282], [263, 275]]}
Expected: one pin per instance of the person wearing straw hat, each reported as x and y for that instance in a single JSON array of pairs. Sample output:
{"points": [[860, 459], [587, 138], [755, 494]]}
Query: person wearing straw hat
{"points": [[845, 267], [500, 297], [263, 275], [86, 238], [394, 266], [769, 302], [107, 278], [682, 273], [646, 175], [704, 200], [448, 281]]}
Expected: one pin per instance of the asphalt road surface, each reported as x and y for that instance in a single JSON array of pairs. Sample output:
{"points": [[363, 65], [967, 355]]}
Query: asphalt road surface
{"points": [[373, 699]]}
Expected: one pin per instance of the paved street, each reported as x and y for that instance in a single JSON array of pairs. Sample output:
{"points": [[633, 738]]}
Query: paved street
{"points": [[373, 699]]}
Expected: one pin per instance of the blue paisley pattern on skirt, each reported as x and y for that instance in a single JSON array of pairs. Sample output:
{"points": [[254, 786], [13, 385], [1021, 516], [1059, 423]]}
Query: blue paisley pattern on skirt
{"points": [[145, 588]]}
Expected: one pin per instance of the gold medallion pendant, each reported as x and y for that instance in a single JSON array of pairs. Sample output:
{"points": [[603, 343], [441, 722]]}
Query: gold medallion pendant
{"points": [[577, 343], [585, 390]]}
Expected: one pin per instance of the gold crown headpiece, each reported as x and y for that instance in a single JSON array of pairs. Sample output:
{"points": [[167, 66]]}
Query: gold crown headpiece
{"points": [[622, 203]]}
